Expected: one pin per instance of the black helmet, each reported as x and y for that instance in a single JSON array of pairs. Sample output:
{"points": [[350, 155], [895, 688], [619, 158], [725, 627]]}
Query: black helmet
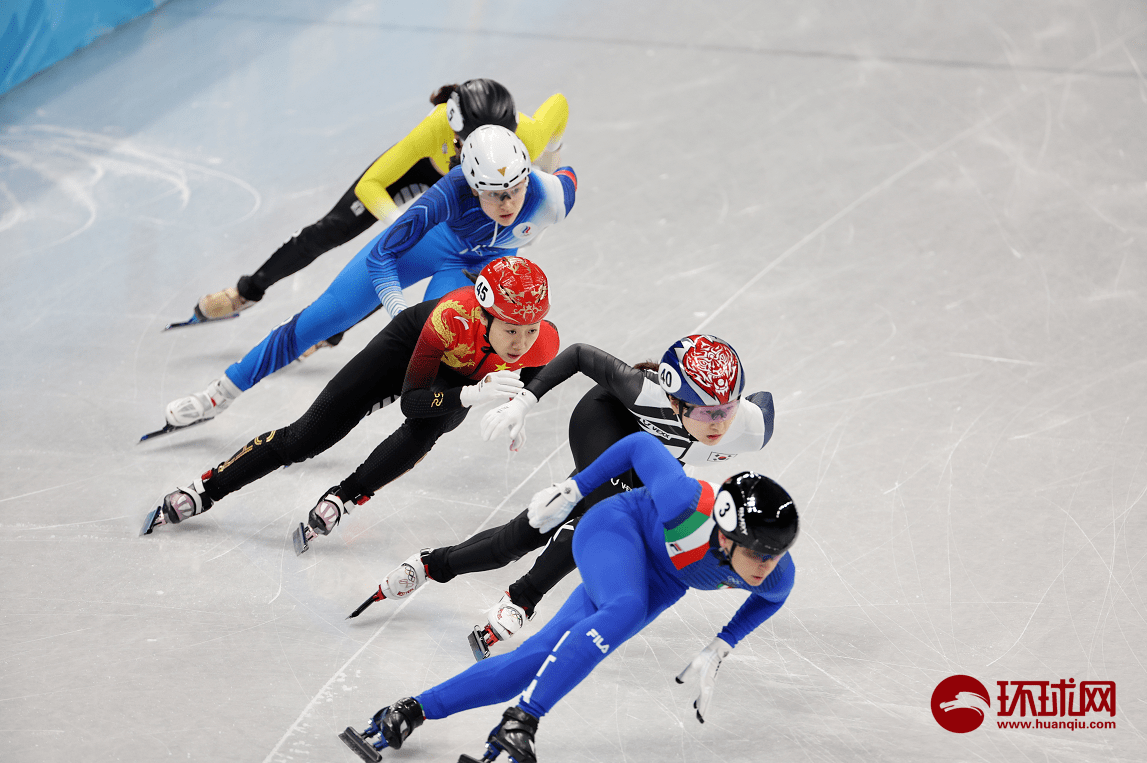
{"points": [[757, 513], [478, 102]]}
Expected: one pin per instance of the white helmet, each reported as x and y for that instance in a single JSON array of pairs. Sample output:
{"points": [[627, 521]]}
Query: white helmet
{"points": [[494, 158]]}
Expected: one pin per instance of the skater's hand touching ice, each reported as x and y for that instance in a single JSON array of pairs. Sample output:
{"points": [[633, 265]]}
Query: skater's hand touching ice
{"points": [[704, 667]]}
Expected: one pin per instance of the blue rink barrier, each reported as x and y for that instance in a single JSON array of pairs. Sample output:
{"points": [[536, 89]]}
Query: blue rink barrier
{"points": [[38, 33]]}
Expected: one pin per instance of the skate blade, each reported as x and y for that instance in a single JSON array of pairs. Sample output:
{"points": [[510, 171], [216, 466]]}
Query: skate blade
{"points": [[154, 520], [478, 644], [196, 321], [302, 537], [168, 429], [359, 746], [376, 596]]}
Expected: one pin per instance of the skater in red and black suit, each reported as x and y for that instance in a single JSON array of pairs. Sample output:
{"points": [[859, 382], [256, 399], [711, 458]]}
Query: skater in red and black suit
{"points": [[475, 344]]}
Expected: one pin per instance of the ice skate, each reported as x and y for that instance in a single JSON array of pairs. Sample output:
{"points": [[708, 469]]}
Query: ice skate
{"points": [[514, 736], [402, 581], [178, 505], [393, 724], [219, 306], [222, 304], [503, 620], [323, 518], [204, 405]]}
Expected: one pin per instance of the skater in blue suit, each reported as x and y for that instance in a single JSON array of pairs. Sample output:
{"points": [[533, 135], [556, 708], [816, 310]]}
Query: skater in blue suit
{"points": [[487, 207], [638, 553]]}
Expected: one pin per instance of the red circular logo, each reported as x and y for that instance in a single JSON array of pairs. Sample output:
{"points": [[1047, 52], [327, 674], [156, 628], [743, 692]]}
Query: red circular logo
{"points": [[960, 703]]}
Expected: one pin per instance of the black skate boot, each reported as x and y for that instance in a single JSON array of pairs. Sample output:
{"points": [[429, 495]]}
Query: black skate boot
{"points": [[178, 505], [395, 724], [324, 517], [514, 735]]}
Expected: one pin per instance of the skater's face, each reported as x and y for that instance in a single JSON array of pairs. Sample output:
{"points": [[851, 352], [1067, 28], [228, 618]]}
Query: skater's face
{"points": [[750, 565], [512, 342], [706, 429], [503, 206]]}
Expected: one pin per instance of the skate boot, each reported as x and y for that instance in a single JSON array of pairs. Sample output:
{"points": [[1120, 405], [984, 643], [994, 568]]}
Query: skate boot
{"points": [[403, 580], [221, 304], [407, 577], [203, 405], [324, 517], [503, 620], [178, 505], [395, 724], [514, 736]]}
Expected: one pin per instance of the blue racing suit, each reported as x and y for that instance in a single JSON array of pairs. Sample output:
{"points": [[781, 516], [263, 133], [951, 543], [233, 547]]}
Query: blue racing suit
{"points": [[441, 234], [638, 552]]}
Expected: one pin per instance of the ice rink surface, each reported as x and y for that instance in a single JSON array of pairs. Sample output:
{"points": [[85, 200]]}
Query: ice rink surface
{"points": [[921, 223]]}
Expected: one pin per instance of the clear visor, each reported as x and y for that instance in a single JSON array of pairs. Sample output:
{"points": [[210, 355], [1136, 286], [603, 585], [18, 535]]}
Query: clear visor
{"points": [[504, 194], [712, 413]]}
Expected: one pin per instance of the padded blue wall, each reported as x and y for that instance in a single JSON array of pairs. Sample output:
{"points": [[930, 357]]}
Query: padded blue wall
{"points": [[38, 33]]}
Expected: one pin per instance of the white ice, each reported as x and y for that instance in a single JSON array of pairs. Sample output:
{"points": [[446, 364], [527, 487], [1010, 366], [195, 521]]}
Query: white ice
{"points": [[921, 223]]}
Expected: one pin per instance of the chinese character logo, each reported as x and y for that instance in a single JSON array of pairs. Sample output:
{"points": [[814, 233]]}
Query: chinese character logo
{"points": [[959, 704]]}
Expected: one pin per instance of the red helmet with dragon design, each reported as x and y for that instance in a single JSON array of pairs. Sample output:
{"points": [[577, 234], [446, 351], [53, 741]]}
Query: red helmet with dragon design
{"points": [[514, 290]]}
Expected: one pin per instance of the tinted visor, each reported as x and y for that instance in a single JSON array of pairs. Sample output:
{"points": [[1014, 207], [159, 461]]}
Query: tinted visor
{"points": [[712, 413]]}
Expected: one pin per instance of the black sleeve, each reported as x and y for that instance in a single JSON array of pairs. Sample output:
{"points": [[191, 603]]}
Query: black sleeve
{"points": [[440, 398], [621, 380]]}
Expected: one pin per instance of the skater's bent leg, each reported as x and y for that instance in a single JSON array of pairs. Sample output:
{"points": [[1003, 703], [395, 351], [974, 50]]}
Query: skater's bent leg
{"points": [[557, 559], [347, 398], [488, 550], [502, 677], [399, 452], [344, 222], [618, 580], [348, 299]]}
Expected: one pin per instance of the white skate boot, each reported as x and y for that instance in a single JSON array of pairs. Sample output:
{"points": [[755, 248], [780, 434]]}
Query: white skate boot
{"points": [[178, 505], [503, 620], [202, 405], [407, 577], [221, 304]]}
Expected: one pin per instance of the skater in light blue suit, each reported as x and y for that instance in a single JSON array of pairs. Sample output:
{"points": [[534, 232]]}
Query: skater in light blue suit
{"points": [[487, 207]]}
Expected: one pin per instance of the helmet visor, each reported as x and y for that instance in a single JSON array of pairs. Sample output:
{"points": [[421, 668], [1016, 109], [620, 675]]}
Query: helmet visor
{"points": [[505, 194], [712, 413]]}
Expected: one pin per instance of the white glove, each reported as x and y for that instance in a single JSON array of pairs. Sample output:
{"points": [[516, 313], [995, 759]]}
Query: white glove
{"points": [[498, 385], [705, 666], [511, 417], [550, 507]]}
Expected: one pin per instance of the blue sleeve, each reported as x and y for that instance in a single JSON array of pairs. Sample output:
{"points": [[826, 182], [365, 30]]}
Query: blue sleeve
{"points": [[432, 208], [664, 478], [569, 185], [762, 605]]}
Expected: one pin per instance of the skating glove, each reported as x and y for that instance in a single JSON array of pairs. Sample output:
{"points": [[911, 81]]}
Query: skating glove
{"points": [[550, 507], [511, 417], [704, 666], [498, 385]]}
